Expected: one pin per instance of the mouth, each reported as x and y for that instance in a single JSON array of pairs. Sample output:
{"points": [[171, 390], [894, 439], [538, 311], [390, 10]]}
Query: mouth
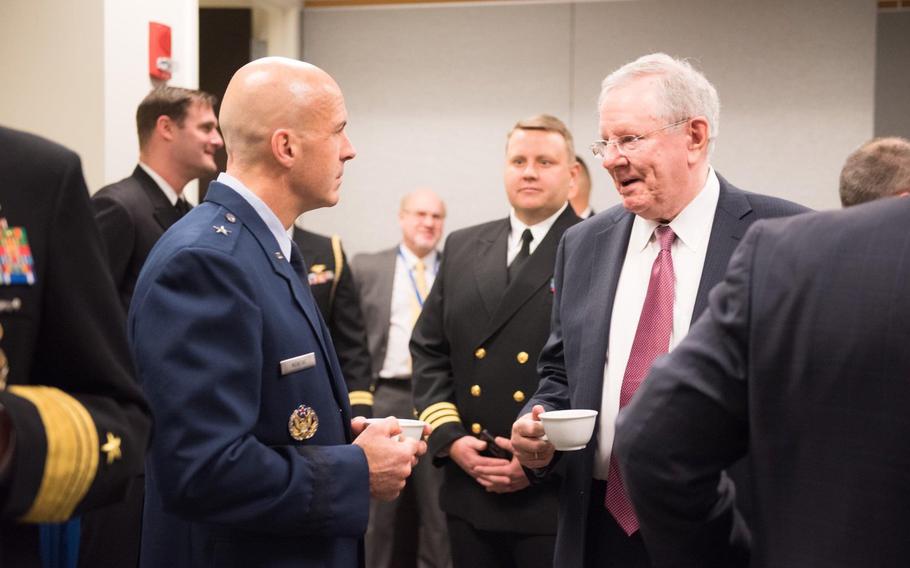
{"points": [[625, 183]]}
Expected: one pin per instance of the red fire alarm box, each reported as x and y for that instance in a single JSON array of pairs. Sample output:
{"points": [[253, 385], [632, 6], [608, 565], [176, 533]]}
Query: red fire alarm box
{"points": [[160, 64]]}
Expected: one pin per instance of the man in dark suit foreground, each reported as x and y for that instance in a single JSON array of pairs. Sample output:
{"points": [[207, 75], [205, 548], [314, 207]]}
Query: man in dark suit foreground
{"points": [[628, 283], [474, 347], [73, 423], [178, 137], [255, 460], [801, 358], [332, 283]]}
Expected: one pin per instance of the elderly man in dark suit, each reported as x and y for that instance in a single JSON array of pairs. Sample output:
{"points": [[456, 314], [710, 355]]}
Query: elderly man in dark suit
{"points": [[801, 359], [628, 283], [332, 283], [393, 285], [255, 459], [73, 423], [474, 347], [178, 137]]}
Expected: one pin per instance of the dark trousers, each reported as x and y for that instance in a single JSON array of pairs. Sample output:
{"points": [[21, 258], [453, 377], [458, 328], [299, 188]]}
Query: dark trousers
{"points": [[410, 531], [111, 535], [473, 548], [606, 544]]}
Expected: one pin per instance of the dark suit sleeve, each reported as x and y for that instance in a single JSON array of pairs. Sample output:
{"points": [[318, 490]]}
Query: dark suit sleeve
{"points": [[349, 336], [118, 233], [553, 390], [686, 424], [206, 460], [81, 396], [432, 381]]}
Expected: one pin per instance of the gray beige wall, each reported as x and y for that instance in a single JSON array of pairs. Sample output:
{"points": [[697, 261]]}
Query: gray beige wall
{"points": [[431, 92]]}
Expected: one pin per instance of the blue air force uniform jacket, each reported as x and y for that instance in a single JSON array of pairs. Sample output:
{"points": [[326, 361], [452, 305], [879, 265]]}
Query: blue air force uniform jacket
{"points": [[216, 311]]}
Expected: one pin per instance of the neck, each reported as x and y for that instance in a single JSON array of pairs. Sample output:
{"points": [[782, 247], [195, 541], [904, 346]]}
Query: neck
{"points": [[272, 191], [419, 252], [165, 168], [531, 217]]}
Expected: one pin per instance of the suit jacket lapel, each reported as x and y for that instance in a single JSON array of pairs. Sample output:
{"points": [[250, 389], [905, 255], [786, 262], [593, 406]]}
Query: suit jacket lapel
{"points": [[729, 226], [164, 211], [609, 255], [490, 269], [536, 273], [384, 287]]}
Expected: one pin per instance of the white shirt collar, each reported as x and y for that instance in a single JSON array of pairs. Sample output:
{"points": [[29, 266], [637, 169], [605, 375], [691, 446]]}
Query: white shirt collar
{"points": [[538, 231], [429, 261], [689, 226], [169, 192], [268, 216]]}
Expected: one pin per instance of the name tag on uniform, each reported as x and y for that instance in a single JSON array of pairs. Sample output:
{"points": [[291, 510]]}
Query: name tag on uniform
{"points": [[298, 363]]}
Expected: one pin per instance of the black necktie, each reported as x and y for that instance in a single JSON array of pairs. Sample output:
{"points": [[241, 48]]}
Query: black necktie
{"points": [[182, 206], [522, 257], [299, 265]]}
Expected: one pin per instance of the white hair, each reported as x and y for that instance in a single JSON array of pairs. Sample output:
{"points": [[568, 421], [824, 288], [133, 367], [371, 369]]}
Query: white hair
{"points": [[686, 91]]}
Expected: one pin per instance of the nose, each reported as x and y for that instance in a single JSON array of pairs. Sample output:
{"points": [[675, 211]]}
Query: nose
{"points": [[217, 140], [612, 157], [347, 149], [530, 171]]}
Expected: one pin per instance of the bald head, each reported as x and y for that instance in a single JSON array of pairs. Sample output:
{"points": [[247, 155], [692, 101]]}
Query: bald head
{"points": [[284, 129], [266, 95], [421, 217]]}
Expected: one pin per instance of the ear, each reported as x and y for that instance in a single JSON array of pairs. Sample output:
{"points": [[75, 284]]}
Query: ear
{"points": [[165, 127], [699, 135], [283, 148], [573, 180]]}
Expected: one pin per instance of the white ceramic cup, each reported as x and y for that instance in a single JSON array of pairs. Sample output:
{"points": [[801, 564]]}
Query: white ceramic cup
{"points": [[569, 430], [412, 429]]}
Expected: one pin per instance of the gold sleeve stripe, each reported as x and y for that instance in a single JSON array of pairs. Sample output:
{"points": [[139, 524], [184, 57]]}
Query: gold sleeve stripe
{"points": [[72, 453], [440, 413], [361, 397], [339, 266]]}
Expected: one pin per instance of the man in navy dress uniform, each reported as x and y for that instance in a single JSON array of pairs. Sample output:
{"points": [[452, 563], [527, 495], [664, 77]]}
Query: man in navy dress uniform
{"points": [[255, 460]]}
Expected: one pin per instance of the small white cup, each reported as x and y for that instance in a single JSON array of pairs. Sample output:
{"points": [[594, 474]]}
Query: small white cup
{"points": [[569, 430], [412, 429]]}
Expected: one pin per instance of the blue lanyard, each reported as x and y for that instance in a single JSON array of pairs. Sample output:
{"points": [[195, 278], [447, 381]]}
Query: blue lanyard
{"points": [[420, 299]]}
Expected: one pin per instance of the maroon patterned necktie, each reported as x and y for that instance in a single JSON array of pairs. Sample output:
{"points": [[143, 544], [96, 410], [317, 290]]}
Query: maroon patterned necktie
{"points": [[652, 338]]}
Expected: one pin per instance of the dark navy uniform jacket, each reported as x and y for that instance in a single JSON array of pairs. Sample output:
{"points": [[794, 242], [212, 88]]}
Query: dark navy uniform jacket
{"points": [[216, 310]]}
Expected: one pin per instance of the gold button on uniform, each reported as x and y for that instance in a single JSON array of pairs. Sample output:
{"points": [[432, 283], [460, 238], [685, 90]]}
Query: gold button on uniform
{"points": [[522, 357], [480, 353], [518, 396], [476, 428], [475, 390]]}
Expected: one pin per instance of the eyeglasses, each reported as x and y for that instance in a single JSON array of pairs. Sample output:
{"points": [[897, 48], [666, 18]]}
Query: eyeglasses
{"points": [[630, 142], [425, 215]]}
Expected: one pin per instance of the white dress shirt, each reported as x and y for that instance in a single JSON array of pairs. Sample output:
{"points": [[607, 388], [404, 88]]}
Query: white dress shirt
{"points": [[397, 363], [693, 230], [538, 231], [164, 186], [268, 216]]}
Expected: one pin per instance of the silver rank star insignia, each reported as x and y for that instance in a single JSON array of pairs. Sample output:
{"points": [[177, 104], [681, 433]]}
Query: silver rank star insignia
{"points": [[221, 230], [303, 423]]}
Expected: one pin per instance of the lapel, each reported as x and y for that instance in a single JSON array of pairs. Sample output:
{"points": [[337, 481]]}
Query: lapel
{"points": [[610, 246], [536, 273], [224, 196], [730, 224], [163, 210], [382, 292], [490, 268]]}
